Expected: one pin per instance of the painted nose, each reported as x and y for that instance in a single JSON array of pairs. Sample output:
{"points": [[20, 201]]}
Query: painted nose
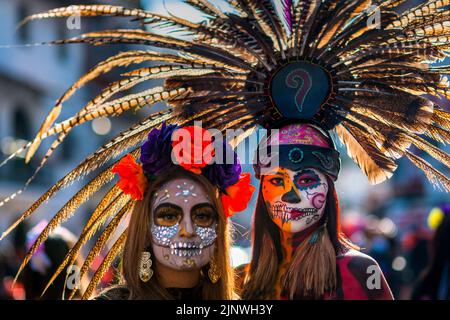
{"points": [[187, 229], [291, 197]]}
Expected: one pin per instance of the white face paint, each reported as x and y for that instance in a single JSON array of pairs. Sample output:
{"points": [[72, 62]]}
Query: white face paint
{"points": [[183, 225], [295, 199]]}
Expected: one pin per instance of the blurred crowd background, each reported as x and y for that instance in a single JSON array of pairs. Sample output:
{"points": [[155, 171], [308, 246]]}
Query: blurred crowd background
{"points": [[403, 223]]}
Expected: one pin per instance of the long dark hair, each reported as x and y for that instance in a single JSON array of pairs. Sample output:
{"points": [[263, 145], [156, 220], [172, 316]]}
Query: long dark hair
{"points": [[268, 255]]}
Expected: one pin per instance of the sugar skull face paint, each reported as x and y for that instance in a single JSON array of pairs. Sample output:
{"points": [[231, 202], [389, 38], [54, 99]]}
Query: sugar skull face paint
{"points": [[183, 225], [295, 199]]}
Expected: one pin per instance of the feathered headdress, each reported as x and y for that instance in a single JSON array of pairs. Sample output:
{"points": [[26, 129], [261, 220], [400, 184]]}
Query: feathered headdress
{"points": [[196, 152], [320, 61]]}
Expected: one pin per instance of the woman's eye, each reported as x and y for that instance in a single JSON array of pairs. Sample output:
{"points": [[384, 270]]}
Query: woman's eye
{"points": [[169, 218], [203, 219], [306, 181], [277, 181]]}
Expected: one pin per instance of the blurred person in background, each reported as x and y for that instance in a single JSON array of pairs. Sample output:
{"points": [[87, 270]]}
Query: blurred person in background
{"points": [[45, 262], [434, 283], [11, 254]]}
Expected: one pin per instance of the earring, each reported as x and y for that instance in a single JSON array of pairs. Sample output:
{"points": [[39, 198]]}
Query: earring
{"points": [[145, 271], [214, 271]]}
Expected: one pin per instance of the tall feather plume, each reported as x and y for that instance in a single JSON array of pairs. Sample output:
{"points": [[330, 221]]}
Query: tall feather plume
{"points": [[123, 59], [106, 263], [66, 211], [287, 8], [222, 76], [374, 164], [436, 177], [108, 205], [325, 25], [102, 240], [115, 147], [266, 17]]}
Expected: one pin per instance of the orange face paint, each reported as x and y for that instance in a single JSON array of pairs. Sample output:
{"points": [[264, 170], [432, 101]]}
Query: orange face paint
{"points": [[295, 200]]}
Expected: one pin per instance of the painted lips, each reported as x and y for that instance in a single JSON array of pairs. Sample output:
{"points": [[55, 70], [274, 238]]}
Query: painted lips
{"points": [[297, 214], [285, 213]]}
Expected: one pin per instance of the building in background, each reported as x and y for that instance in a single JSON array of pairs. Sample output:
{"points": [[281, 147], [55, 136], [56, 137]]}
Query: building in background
{"points": [[32, 78]]}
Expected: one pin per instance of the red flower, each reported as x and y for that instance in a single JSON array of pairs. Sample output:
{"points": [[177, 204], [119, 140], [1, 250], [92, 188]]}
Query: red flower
{"points": [[132, 180], [238, 195], [193, 148]]}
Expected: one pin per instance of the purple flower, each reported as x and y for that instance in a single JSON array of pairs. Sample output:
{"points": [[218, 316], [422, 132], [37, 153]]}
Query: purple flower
{"points": [[156, 159], [224, 175], [156, 151]]}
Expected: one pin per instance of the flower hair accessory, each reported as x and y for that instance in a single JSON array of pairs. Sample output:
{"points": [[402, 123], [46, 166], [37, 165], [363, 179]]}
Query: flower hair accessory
{"points": [[198, 143], [237, 196], [132, 180], [193, 149]]}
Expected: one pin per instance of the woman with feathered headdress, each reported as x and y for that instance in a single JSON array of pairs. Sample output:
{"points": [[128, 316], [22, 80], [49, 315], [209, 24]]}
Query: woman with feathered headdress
{"points": [[359, 68], [299, 251], [179, 222]]}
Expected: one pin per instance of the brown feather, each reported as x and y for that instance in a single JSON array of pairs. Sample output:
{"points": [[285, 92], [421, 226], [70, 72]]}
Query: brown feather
{"points": [[437, 178], [101, 241], [377, 167], [112, 254], [65, 212], [89, 229]]}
